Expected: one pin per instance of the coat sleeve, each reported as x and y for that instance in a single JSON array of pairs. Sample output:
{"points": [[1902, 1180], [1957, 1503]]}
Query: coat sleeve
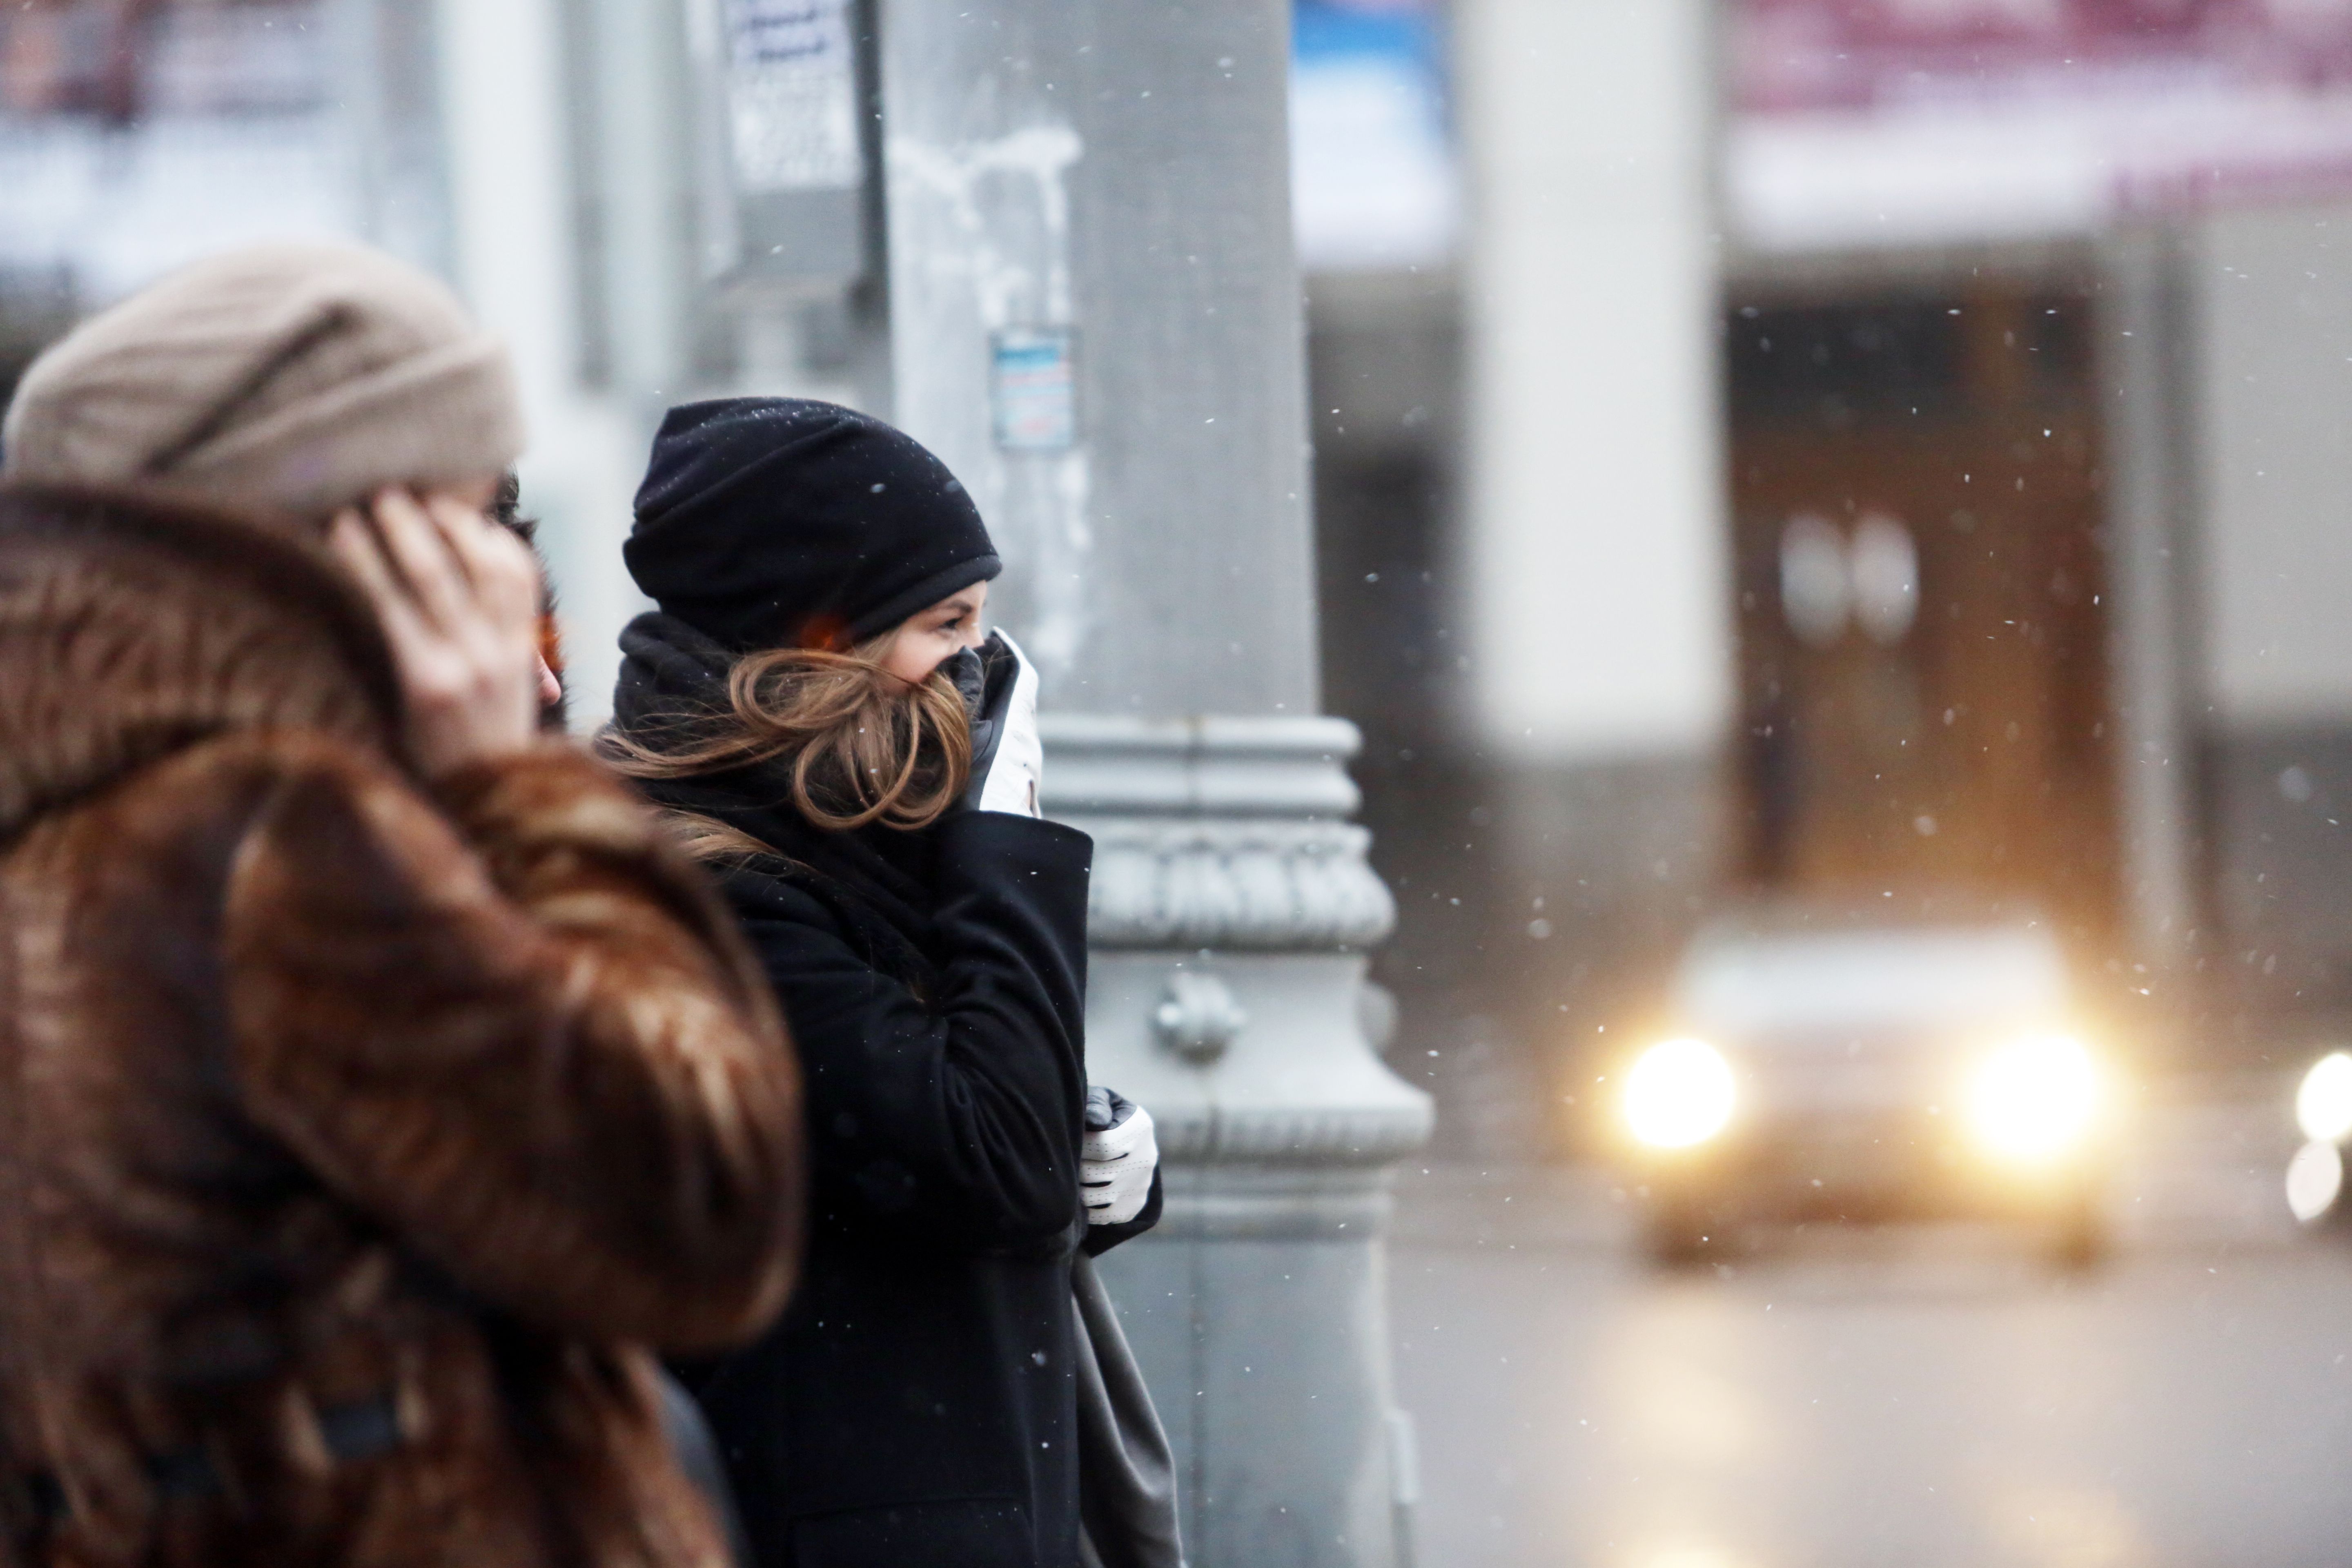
{"points": [[958, 1112], [515, 1026]]}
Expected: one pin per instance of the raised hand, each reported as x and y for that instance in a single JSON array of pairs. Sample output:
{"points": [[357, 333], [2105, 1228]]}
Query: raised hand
{"points": [[459, 597]]}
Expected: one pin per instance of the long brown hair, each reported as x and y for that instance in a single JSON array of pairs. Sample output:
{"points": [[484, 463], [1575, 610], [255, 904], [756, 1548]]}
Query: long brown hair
{"points": [[860, 746]]}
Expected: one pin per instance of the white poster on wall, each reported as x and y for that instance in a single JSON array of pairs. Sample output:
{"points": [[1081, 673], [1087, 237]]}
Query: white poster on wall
{"points": [[792, 94]]}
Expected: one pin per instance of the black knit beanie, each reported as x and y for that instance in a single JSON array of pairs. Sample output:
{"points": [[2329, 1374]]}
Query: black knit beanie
{"points": [[780, 523]]}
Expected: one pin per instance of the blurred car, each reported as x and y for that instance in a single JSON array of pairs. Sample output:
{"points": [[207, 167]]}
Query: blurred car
{"points": [[1826, 1065], [2314, 1176]]}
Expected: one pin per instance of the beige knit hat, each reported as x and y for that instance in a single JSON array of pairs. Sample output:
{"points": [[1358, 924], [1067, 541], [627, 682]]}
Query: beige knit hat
{"points": [[295, 378]]}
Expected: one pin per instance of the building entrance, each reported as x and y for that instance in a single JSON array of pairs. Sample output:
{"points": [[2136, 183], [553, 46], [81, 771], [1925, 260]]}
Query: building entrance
{"points": [[1916, 493]]}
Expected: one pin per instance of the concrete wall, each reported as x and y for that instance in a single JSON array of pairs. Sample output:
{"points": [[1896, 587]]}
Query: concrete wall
{"points": [[2271, 294], [2274, 292]]}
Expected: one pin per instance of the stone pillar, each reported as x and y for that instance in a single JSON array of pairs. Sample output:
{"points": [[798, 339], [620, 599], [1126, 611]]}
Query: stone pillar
{"points": [[1593, 568], [2145, 375], [513, 177], [1232, 909], [1597, 554], [1095, 320]]}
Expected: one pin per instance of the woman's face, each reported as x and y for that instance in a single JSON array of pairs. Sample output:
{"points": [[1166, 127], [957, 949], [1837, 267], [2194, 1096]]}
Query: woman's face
{"points": [[927, 637], [477, 494]]}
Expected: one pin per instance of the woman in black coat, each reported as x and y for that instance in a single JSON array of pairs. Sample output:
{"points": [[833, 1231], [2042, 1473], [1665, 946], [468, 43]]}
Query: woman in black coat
{"points": [[816, 705]]}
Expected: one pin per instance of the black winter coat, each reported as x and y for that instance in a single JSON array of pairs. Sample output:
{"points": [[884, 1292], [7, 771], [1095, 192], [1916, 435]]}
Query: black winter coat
{"points": [[916, 1405]]}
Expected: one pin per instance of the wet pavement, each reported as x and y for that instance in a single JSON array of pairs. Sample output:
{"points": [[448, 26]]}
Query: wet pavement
{"points": [[1916, 1395]]}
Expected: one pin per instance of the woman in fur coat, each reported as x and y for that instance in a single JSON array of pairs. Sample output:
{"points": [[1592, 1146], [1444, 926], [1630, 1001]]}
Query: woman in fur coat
{"points": [[378, 1091], [796, 702]]}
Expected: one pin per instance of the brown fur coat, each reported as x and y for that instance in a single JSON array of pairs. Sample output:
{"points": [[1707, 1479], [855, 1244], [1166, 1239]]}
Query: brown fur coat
{"points": [[319, 1086]]}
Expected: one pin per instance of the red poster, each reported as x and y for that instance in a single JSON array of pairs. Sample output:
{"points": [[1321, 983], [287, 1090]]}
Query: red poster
{"points": [[1797, 55]]}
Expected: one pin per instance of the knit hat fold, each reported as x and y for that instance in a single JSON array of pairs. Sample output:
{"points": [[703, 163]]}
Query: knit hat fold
{"points": [[298, 378], [783, 522]]}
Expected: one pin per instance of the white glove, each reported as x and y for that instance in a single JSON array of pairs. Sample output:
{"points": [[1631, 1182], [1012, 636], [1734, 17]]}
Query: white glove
{"points": [[1012, 778], [1116, 1166]]}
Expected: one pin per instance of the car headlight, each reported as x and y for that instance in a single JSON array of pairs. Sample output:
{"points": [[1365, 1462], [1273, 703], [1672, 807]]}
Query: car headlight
{"points": [[2323, 1106], [1679, 1093], [2314, 1178], [2034, 1100]]}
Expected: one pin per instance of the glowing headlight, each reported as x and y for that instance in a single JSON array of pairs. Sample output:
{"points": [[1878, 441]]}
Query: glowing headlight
{"points": [[1679, 1093], [2034, 1099], [2323, 1106], [2314, 1177]]}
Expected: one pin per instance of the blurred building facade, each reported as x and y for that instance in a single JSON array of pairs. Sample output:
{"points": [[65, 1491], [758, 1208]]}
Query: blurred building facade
{"points": [[1843, 451], [1762, 445], [1053, 240], [137, 134]]}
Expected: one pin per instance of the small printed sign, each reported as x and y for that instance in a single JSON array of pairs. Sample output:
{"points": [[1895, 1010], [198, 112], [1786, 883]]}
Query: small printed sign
{"points": [[1034, 387], [792, 94]]}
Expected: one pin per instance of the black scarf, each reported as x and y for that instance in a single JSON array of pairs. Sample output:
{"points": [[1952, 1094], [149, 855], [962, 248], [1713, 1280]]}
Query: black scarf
{"points": [[875, 881]]}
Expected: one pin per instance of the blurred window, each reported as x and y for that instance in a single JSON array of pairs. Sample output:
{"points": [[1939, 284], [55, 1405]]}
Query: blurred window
{"points": [[123, 61], [1881, 356], [1826, 579], [1865, 357], [1815, 593], [1886, 567], [136, 135]]}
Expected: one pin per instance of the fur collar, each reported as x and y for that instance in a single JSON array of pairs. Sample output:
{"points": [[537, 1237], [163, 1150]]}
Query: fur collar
{"points": [[130, 629]]}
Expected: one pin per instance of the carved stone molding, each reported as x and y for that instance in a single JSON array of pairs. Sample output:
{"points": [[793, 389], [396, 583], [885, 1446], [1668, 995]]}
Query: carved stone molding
{"points": [[1268, 1203], [1216, 883], [1232, 905], [1292, 1085], [1218, 833], [1368, 1135], [1198, 1018]]}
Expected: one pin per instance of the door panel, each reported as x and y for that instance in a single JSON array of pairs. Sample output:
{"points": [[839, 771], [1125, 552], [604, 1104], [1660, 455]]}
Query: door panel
{"points": [[1945, 451]]}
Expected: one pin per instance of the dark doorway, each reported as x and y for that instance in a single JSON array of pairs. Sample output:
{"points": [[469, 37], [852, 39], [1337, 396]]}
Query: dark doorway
{"points": [[1916, 504]]}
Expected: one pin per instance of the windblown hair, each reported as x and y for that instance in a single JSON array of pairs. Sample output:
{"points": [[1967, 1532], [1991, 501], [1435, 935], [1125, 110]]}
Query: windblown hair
{"points": [[858, 744]]}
